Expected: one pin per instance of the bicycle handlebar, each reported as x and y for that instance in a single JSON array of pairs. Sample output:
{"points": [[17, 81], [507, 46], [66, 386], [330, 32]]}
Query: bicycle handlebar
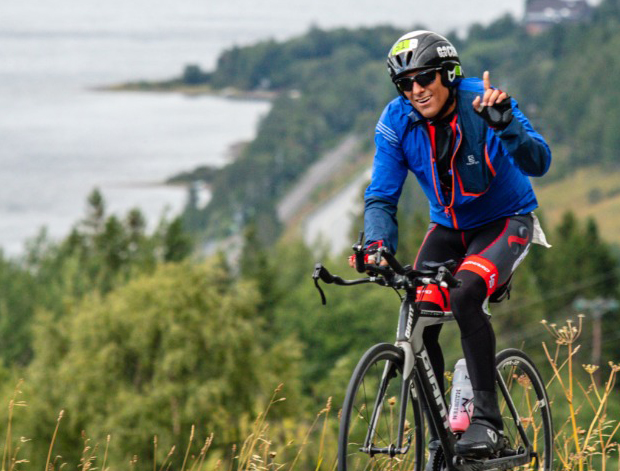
{"points": [[392, 275], [321, 273]]}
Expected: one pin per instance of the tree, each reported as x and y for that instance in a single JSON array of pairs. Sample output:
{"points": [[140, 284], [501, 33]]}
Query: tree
{"points": [[177, 243], [193, 75], [18, 301], [166, 351], [95, 212]]}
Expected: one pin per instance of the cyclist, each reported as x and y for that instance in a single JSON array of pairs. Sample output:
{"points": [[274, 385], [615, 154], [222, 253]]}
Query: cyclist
{"points": [[472, 151]]}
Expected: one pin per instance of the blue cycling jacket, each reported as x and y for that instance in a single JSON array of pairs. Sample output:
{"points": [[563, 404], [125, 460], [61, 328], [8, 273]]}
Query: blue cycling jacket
{"points": [[489, 168]]}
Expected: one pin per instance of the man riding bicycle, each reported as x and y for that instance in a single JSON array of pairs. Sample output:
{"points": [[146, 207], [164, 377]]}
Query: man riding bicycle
{"points": [[472, 151]]}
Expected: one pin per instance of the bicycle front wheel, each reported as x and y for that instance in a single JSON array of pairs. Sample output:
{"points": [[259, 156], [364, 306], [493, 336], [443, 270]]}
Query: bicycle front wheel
{"points": [[526, 413], [371, 416]]}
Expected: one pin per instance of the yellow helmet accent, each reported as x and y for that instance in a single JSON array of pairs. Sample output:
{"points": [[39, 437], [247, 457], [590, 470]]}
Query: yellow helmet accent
{"points": [[404, 45]]}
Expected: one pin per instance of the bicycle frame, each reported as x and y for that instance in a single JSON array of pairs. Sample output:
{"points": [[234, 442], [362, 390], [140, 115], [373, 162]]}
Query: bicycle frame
{"points": [[418, 369], [420, 382]]}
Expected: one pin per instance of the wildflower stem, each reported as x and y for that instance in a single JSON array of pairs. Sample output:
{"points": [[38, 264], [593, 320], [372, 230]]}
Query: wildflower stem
{"points": [[304, 443], [232, 457], [603, 403], [203, 453], [49, 453], [559, 369], [189, 445], [7, 445], [250, 444], [105, 453], [586, 395], [170, 453], [323, 433], [571, 405]]}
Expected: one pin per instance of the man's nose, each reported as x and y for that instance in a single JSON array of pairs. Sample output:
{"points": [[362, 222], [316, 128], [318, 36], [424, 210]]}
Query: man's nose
{"points": [[417, 88]]}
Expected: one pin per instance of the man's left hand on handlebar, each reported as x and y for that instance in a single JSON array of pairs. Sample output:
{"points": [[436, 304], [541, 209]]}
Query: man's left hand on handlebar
{"points": [[368, 260], [370, 255]]}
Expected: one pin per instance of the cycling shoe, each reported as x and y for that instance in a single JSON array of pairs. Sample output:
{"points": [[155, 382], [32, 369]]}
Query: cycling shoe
{"points": [[480, 440]]}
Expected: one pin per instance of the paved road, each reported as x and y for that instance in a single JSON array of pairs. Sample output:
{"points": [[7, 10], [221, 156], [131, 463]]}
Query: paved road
{"points": [[330, 226], [319, 172]]}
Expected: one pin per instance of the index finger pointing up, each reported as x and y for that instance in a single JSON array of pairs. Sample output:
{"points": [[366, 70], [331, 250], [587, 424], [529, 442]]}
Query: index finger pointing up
{"points": [[486, 81]]}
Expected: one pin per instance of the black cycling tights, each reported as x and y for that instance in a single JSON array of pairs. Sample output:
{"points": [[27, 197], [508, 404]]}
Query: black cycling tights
{"points": [[477, 336], [487, 257]]}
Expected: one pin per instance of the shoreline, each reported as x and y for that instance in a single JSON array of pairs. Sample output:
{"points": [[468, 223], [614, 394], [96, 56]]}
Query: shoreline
{"points": [[189, 177], [190, 90]]}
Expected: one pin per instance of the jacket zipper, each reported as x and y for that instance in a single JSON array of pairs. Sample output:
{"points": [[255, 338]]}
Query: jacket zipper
{"points": [[456, 149], [448, 211]]}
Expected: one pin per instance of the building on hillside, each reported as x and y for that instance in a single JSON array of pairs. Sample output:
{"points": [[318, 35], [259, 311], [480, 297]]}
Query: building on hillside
{"points": [[540, 15]]}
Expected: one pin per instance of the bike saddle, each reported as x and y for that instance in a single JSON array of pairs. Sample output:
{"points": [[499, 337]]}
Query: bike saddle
{"points": [[501, 293], [449, 264]]}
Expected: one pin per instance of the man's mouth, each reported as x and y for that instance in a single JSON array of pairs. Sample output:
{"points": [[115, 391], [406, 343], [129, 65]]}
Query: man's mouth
{"points": [[423, 100]]}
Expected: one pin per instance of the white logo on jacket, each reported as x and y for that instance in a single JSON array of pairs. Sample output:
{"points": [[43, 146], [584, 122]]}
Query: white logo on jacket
{"points": [[471, 160]]}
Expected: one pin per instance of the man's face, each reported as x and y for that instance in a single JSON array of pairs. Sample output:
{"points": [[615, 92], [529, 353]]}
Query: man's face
{"points": [[428, 100]]}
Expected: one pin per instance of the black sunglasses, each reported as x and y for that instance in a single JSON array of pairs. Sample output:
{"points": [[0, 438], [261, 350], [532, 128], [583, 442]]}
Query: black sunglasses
{"points": [[424, 79]]}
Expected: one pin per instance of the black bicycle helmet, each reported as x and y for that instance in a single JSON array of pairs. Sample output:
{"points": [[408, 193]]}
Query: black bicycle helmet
{"points": [[424, 50]]}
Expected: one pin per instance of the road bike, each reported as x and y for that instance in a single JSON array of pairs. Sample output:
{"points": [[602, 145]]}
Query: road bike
{"points": [[382, 424]]}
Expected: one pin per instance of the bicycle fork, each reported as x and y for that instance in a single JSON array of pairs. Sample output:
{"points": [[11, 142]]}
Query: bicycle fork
{"points": [[407, 387], [392, 450]]}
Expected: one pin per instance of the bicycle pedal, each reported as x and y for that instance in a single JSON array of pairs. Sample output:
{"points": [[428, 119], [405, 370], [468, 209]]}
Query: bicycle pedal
{"points": [[468, 464], [474, 465], [506, 452]]}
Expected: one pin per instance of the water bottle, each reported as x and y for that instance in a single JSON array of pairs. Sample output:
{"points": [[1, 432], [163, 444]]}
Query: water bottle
{"points": [[461, 399]]}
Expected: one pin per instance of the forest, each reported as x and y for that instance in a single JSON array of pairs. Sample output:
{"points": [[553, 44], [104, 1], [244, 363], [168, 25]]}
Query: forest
{"points": [[332, 83], [124, 348]]}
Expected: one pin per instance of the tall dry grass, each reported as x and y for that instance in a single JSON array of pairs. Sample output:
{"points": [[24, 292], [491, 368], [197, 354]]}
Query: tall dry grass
{"points": [[586, 437]]}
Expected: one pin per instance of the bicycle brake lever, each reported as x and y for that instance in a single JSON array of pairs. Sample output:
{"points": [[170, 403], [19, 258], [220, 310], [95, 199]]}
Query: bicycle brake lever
{"points": [[319, 273], [445, 277], [323, 299], [358, 249]]}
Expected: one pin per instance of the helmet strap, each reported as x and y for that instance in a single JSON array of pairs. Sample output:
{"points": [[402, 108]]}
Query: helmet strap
{"points": [[401, 94]]}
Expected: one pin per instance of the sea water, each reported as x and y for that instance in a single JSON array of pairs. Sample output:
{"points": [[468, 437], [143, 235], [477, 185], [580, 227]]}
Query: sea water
{"points": [[60, 138]]}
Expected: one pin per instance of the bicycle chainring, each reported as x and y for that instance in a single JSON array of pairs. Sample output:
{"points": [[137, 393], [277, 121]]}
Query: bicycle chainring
{"points": [[438, 461]]}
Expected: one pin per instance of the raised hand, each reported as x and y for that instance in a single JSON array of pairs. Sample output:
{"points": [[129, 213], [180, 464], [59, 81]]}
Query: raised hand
{"points": [[494, 106]]}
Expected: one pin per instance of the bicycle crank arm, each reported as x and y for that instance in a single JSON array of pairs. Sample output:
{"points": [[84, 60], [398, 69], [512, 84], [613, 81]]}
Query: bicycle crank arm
{"points": [[505, 463]]}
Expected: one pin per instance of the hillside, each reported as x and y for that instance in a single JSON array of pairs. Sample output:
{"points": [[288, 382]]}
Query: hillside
{"points": [[592, 192], [333, 83]]}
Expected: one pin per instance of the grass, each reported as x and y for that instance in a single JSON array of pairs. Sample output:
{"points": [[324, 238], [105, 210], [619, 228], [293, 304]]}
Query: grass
{"points": [[585, 445], [586, 435]]}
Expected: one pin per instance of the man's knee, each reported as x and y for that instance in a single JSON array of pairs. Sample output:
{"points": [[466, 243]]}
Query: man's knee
{"points": [[466, 302], [473, 290]]}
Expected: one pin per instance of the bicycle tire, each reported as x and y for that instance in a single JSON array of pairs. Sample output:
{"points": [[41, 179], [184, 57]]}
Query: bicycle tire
{"points": [[529, 396], [357, 408]]}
